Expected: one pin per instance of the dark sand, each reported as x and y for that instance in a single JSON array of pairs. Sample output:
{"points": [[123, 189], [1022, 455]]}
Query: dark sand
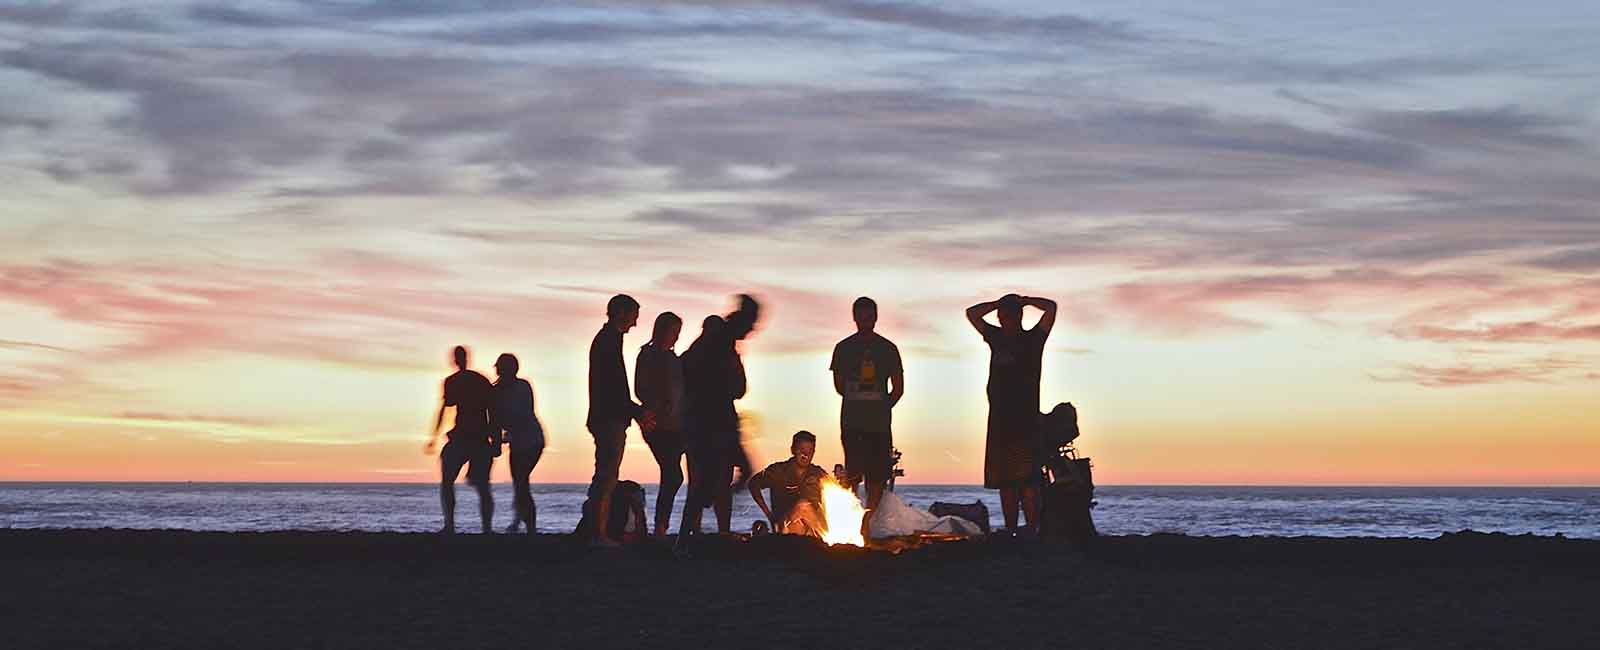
{"points": [[159, 589]]}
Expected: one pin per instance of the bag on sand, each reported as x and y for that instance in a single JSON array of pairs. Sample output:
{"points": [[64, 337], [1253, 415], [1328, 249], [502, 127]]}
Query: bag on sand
{"points": [[894, 518], [627, 514], [1067, 481]]}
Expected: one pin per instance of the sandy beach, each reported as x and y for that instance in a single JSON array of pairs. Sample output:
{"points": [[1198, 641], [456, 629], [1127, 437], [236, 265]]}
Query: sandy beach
{"points": [[115, 588]]}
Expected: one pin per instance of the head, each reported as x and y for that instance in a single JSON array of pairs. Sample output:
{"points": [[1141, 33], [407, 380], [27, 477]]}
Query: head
{"points": [[1010, 312], [865, 312], [742, 322], [622, 312], [506, 366], [667, 328], [711, 325], [459, 355], [804, 447]]}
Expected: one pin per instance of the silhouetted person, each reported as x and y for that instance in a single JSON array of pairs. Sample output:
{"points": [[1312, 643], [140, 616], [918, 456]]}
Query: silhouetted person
{"points": [[513, 411], [1016, 358], [868, 376], [796, 487], [714, 379], [658, 381], [611, 408], [474, 441]]}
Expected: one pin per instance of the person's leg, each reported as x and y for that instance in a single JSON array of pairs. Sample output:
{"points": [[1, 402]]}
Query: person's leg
{"points": [[667, 447], [607, 463], [478, 475], [449, 468], [877, 447], [520, 497], [534, 455], [1008, 506], [695, 500], [1030, 507], [722, 487]]}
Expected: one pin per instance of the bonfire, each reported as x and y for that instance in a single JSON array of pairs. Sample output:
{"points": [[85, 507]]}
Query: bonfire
{"points": [[842, 514]]}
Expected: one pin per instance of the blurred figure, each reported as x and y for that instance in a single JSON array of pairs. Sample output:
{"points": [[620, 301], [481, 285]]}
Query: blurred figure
{"points": [[796, 487], [714, 378], [658, 381], [514, 413], [1016, 358], [870, 380], [611, 407], [473, 441]]}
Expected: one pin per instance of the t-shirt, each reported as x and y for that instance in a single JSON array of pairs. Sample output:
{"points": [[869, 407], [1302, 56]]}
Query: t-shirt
{"points": [[610, 400], [1015, 364], [866, 361], [658, 381], [471, 394], [513, 411], [790, 484]]}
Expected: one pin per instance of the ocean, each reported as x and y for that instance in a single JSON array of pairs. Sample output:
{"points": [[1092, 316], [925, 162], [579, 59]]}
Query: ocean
{"points": [[1121, 510]]}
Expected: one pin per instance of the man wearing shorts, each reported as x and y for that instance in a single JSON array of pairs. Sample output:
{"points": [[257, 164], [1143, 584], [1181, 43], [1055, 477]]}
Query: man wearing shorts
{"points": [[611, 410], [473, 441], [868, 376]]}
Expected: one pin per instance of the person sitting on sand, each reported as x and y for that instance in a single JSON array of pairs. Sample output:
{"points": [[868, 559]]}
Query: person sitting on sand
{"points": [[514, 413], [473, 441], [796, 487]]}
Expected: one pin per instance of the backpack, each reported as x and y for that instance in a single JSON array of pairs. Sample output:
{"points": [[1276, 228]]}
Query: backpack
{"points": [[626, 521], [1067, 481]]}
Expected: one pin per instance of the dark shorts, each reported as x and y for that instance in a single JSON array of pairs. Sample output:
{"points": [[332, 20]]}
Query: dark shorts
{"points": [[866, 454], [608, 445], [477, 457]]}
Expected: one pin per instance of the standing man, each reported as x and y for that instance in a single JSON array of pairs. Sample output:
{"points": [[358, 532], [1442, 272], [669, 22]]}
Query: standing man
{"points": [[611, 407], [868, 375], [473, 441], [1016, 359]]}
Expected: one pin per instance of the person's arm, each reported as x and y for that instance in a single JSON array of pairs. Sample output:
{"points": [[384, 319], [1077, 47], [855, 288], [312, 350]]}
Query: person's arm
{"points": [[838, 373], [897, 387], [976, 313], [1048, 320], [738, 387], [433, 436], [758, 484]]}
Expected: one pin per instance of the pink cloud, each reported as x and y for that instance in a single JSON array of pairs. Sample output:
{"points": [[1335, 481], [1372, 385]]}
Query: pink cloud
{"points": [[1541, 370]]}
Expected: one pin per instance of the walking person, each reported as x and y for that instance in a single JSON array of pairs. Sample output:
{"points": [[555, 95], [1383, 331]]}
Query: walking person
{"points": [[870, 380], [714, 379], [611, 408], [473, 442], [514, 413], [1016, 358], [658, 382]]}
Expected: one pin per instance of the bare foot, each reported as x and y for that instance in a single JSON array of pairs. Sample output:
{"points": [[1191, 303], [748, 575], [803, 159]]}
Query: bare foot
{"points": [[604, 542]]}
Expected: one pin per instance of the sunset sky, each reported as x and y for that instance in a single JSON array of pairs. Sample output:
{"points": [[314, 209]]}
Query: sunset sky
{"points": [[1291, 246]]}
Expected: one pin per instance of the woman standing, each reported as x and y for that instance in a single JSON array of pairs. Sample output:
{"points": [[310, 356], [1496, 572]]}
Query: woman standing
{"points": [[1016, 358], [513, 412], [658, 382]]}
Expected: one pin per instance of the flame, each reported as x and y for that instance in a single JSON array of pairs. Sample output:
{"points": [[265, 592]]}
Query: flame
{"points": [[842, 512]]}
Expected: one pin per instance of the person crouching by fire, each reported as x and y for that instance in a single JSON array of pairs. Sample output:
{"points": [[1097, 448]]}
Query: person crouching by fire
{"points": [[796, 487]]}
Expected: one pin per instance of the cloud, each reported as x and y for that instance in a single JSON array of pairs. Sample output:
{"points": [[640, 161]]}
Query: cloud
{"points": [[1507, 127], [1521, 332], [1538, 370], [1577, 261]]}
